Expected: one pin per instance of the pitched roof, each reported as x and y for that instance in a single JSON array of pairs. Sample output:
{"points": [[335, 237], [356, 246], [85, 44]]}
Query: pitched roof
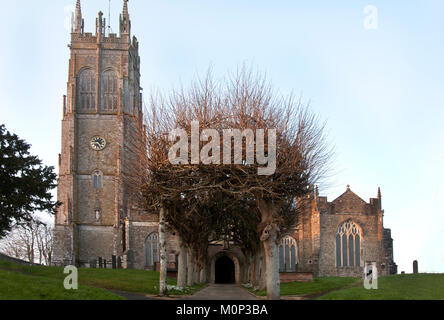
{"points": [[348, 196]]}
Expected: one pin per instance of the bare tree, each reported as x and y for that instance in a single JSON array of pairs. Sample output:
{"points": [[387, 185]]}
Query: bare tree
{"points": [[191, 191], [30, 241], [10, 245], [45, 244]]}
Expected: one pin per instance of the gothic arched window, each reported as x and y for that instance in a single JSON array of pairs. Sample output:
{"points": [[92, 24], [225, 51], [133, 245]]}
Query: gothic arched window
{"points": [[110, 91], [288, 255], [97, 180], [86, 90], [151, 247], [348, 245]]}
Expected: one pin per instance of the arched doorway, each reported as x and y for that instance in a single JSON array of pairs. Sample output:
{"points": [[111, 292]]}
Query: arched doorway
{"points": [[225, 271]]}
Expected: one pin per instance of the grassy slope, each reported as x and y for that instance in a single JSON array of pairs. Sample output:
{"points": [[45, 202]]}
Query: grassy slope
{"points": [[399, 287], [319, 285], [136, 281], [18, 286]]}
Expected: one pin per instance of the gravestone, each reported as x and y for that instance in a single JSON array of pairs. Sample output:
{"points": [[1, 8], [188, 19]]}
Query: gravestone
{"points": [[415, 267], [114, 262]]}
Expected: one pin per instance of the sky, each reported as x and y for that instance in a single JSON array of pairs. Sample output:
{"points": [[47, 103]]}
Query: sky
{"points": [[380, 90]]}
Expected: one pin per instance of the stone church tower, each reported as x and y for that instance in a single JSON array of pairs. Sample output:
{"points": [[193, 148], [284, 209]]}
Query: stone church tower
{"points": [[102, 116], [100, 111]]}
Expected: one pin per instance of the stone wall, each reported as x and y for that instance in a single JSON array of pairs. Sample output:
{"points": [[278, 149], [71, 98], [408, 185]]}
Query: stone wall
{"points": [[96, 241], [63, 245], [139, 233], [387, 248], [349, 207], [296, 277]]}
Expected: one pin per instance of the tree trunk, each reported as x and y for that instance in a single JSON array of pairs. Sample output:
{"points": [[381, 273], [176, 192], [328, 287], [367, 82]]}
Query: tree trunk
{"points": [[271, 254], [203, 274], [263, 273], [182, 267], [269, 237], [247, 276], [190, 263], [196, 273], [163, 289], [255, 270]]}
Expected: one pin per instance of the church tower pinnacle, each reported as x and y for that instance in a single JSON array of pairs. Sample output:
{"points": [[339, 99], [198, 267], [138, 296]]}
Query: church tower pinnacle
{"points": [[77, 21], [125, 22], [379, 198]]}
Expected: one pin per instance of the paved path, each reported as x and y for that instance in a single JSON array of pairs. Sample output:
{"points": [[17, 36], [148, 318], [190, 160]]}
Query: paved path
{"points": [[230, 292], [222, 292]]}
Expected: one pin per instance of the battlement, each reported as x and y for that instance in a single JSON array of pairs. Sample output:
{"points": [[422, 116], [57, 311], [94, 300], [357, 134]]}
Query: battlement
{"points": [[88, 37], [78, 33]]}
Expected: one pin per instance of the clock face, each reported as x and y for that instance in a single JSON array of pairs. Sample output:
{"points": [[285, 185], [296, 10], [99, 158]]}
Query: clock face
{"points": [[98, 143]]}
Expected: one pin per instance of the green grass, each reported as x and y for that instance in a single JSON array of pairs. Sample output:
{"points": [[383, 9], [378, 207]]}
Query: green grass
{"points": [[398, 287], [319, 285], [135, 281], [17, 286]]}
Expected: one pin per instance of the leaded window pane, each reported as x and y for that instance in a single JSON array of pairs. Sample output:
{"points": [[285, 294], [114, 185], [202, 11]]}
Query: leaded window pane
{"points": [[155, 253], [344, 250], [293, 259], [281, 259], [152, 250], [287, 258], [358, 251], [149, 261], [338, 251], [351, 251]]}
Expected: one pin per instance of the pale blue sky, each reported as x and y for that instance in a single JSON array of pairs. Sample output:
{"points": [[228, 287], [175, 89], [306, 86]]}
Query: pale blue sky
{"points": [[381, 91]]}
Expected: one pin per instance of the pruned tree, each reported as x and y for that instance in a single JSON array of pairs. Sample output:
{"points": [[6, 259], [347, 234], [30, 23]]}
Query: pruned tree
{"points": [[287, 138]]}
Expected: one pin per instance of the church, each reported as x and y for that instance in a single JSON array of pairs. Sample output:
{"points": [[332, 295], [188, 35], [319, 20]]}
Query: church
{"points": [[99, 218]]}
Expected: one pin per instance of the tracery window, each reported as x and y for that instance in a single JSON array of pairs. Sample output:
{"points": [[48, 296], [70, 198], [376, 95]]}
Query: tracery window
{"points": [[348, 245], [288, 255], [152, 252], [86, 90], [97, 180], [110, 90]]}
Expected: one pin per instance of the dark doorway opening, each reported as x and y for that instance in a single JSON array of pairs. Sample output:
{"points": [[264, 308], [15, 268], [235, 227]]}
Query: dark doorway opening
{"points": [[225, 271]]}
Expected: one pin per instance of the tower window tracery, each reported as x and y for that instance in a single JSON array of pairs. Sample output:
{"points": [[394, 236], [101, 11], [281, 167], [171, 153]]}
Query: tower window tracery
{"points": [[86, 93]]}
